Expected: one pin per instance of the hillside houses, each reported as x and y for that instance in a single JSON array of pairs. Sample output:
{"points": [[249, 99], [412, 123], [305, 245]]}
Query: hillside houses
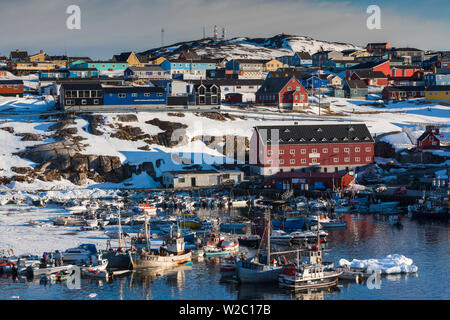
{"points": [[283, 92]]}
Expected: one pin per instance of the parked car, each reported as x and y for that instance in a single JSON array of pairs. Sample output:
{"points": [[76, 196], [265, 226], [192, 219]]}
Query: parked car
{"points": [[381, 188], [401, 190]]}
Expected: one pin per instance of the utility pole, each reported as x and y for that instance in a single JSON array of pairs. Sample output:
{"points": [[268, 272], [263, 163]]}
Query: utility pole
{"points": [[162, 37]]}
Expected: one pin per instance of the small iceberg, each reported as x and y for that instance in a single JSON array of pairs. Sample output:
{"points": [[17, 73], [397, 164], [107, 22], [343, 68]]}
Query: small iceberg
{"points": [[391, 264]]}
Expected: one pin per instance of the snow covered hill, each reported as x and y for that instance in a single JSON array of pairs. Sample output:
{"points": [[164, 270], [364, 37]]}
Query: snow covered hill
{"points": [[250, 48]]}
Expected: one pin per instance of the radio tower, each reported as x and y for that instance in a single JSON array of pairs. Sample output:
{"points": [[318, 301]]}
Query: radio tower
{"points": [[162, 37]]}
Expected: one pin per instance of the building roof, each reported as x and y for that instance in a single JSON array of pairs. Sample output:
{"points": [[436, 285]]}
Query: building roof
{"points": [[356, 84], [368, 65], [9, 82], [287, 72], [405, 88], [273, 85], [405, 49], [259, 61], [439, 88], [368, 74], [19, 54], [310, 174], [129, 89], [230, 82], [147, 68], [318, 134], [190, 54], [82, 86], [123, 57], [304, 55]]}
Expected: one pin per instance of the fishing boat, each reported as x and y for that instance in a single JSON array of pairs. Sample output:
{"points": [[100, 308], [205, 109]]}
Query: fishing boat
{"points": [[210, 252], [81, 254], [97, 269], [172, 254], [310, 274], [228, 266], [384, 207], [433, 207], [280, 237], [252, 270], [351, 273], [251, 241]]}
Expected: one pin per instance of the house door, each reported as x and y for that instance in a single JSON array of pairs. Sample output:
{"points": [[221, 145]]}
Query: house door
{"points": [[193, 182]]}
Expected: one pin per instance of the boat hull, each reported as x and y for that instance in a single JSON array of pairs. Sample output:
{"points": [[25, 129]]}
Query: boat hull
{"points": [[156, 261], [292, 282]]}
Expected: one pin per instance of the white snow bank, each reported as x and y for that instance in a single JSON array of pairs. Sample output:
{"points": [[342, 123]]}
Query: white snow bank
{"points": [[391, 264]]}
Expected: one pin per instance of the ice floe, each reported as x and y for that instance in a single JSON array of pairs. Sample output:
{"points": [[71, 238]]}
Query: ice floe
{"points": [[391, 264]]}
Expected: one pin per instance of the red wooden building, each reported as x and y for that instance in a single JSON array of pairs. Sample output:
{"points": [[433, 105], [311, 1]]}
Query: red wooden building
{"points": [[429, 139], [283, 92], [321, 148], [11, 88], [403, 92], [383, 66], [406, 73], [371, 78], [311, 180]]}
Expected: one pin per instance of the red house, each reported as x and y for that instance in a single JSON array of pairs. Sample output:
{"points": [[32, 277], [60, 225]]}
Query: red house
{"points": [[310, 180], [11, 88], [405, 73], [321, 147], [371, 78], [382, 66], [403, 92], [283, 92], [429, 139]]}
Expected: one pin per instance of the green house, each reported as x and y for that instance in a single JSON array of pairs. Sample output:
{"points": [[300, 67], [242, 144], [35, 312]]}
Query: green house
{"points": [[355, 89]]}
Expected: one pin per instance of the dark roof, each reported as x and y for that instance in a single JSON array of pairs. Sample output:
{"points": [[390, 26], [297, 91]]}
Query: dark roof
{"points": [[252, 60], [193, 61], [304, 55], [319, 133], [82, 86], [121, 89], [343, 61], [368, 65], [377, 43], [147, 68], [192, 171], [439, 88], [405, 67], [368, 74], [19, 54], [405, 49], [11, 82], [83, 69], [190, 54], [273, 85], [405, 88], [123, 57], [310, 174], [356, 84], [286, 73], [230, 82]]}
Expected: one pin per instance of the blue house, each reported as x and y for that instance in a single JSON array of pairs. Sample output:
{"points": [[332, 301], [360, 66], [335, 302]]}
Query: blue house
{"points": [[80, 73], [129, 96], [439, 79], [189, 67], [54, 74], [339, 65], [297, 59], [314, 81]]}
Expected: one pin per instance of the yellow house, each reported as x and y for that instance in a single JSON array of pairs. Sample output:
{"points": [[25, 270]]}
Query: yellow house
{"points": [[26, 67], [131, 58], [157, 61], [273, 65], [334, 80], [438, 93], [39, 57]]}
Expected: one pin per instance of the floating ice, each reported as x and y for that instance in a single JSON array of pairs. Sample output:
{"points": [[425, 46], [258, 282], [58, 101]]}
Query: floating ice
{"points": [[92, 295], [391, 264]]}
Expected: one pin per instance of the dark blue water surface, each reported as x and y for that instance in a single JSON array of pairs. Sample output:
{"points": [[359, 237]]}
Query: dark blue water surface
{"points": [[426, 243]]}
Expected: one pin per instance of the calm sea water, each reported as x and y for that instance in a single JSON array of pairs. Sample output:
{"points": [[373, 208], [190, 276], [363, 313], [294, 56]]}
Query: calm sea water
{"points": [[427, 243]]}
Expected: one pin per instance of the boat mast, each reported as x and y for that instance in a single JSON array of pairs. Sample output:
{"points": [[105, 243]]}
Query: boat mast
{"points": [[268, 237], [146, 233], [120, 230]]}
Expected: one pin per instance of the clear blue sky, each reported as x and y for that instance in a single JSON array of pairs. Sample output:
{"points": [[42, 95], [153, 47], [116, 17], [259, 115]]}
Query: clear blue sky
{"points": [[112, 26]]}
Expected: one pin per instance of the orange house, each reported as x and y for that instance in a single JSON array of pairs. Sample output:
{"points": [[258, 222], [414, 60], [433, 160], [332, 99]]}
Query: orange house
{"points": [[11, 88]]}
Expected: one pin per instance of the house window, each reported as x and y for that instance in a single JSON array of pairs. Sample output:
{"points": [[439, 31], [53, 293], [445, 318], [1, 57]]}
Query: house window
{"points": [[347, 159], [325, 150], [122, 95], [357, 159], [269, 152], [96, 101], [368, 149], [83, 102], [303, 151], [292, 151], [213, 99], [289, 88], [303, 160], [146, 94], [181, 180], [134, 94], [368, 159], [68, 102], [202, 99], [292, 161], [281, 161], [346, 149], [269, 161], [314, 150], [314, 160], [159, 94], [335, 160], [336, 150], [357, 149], [281, 152]]}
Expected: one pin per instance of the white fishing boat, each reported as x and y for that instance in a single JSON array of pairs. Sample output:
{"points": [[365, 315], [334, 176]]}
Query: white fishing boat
{"points": [[97, 269], [350, 273], [81, 254]]}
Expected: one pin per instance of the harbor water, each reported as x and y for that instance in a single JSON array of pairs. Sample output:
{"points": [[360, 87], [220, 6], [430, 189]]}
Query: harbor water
{"points": [[366, 237]]}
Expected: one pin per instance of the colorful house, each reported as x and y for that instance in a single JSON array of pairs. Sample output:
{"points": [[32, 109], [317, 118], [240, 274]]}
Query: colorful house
{"points": [[438, 94], [38, 57], [11, 88], [355, 89], [429, 139], [285, 92], [403, 92], [18, 55], [339, 65], [131, 58], [371, 78], [189, 69], [320, 147], [101, 66], [273, 65], [441, 79], [132, 96], [150, 72], [297, 59]]}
